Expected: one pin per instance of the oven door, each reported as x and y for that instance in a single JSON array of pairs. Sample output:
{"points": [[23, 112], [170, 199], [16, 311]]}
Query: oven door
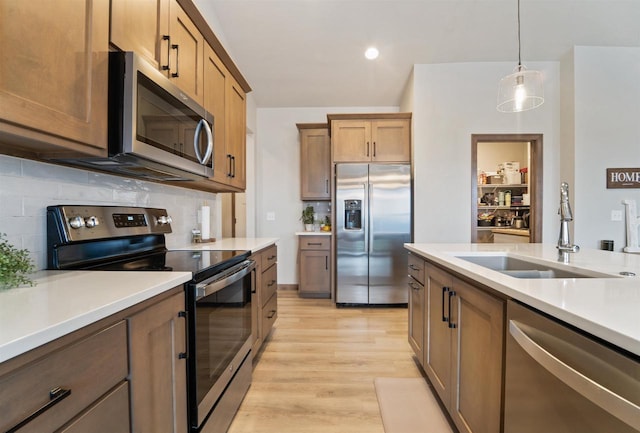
{"points": [[219, 335]]}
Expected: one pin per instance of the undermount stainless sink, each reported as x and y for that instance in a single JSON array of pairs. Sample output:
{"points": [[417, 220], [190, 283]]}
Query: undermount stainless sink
{"points": [[520, 268]]}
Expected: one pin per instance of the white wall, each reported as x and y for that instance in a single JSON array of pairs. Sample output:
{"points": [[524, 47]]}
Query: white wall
{"points": [[451, 102], [607, 135], [278, 174], [28, 187]]}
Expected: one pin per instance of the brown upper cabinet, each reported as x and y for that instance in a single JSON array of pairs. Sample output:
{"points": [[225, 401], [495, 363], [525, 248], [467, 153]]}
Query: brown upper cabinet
{"points": [[236, 144], [370, 137], [163, 33], [53, 78], [226, 100], [315, 161]]}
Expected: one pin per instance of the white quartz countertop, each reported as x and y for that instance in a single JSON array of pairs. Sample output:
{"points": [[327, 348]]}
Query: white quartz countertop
{"points": [[65, 301], [318, 233], [227, 244], [608, 308]]}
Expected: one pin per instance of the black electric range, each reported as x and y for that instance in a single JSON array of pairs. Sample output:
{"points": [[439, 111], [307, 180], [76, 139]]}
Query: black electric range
{"points": [[218, 299]]}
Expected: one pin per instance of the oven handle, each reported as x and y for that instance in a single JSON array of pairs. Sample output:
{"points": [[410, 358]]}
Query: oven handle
{"points": [[216, 284]]}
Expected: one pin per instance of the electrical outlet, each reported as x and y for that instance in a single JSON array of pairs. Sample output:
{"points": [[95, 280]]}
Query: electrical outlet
{"points": [[271, 216], [616, 215]]}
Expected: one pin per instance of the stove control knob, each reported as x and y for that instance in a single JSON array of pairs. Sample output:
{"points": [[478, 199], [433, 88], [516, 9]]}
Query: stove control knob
{"points": [[76, 222], [164, 219], [91, 222]]}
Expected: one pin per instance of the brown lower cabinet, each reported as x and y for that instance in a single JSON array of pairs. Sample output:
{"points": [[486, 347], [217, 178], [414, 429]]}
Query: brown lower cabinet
{"points": [[91, 373], [315, 266], [463, 346], [158, 367], [264, 300]]}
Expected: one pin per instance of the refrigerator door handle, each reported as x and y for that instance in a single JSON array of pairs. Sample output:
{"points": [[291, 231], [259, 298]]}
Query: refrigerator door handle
{"points": [[369, 233], [365, 224]]}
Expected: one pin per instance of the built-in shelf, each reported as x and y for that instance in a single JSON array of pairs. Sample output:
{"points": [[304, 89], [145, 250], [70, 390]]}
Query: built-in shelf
{"points": [[513, 207], [503, 185]]}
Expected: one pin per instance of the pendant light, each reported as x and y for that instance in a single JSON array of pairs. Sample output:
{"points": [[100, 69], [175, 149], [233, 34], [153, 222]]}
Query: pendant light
{"points": [[521, 90]]}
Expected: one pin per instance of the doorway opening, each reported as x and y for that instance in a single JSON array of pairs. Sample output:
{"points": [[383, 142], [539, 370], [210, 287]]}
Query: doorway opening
{"points": [[234, 215], [506, 188]]}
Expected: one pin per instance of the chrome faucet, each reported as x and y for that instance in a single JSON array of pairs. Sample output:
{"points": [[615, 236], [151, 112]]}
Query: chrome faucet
{"points": [[564, 243]]}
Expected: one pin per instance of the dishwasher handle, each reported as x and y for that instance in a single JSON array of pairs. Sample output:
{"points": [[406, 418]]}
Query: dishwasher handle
{"points": [[616, 405]]}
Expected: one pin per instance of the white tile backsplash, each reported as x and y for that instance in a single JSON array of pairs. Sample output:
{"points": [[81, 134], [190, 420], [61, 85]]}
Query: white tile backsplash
{"points": [[27, 187]]}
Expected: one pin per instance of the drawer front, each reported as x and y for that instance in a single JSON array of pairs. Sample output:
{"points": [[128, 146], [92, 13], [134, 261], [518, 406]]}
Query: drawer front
{"points": [[269, 257], [109, 415], [416, 268], [315, 242], [269, 315], [88, 368], [269, 283]]}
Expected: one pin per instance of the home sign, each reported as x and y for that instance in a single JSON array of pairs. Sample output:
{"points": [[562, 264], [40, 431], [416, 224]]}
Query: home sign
{"points": [[623, 178]]}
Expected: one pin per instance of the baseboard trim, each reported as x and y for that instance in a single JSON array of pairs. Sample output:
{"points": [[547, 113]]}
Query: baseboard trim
{"points": [[288, 287]]}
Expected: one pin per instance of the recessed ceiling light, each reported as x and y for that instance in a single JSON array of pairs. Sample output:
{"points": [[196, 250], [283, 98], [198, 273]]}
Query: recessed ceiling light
{"points": [[371, 53]]}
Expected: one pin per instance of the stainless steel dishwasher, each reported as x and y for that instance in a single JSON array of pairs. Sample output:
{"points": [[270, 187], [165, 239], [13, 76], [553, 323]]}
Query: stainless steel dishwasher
{"points": [[559, 380]]}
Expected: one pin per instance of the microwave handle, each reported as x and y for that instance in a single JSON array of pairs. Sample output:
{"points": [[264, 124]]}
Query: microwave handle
{"points": [[196, 139]]}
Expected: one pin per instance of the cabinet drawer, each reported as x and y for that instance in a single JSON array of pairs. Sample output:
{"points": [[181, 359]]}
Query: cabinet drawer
{"points": [[269, 283], [416, 268], [109, 415], [88, 368], [269, 257], [315, 242], [269, 314]]}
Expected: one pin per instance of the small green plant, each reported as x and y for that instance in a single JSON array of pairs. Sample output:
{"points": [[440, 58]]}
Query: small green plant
{"points": [[327, 221], [15, 264], [307, 215]]}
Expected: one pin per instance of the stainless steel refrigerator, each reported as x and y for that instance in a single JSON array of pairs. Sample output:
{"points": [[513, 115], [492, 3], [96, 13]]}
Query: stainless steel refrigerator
{"points": [[373, 221]]}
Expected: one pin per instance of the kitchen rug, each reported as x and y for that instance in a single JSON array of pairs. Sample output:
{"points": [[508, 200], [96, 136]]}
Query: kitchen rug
{"points": [[407, 405]]}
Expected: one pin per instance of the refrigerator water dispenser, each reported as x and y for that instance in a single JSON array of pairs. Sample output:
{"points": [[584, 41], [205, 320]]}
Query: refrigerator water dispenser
{"points": [[353, 214]]}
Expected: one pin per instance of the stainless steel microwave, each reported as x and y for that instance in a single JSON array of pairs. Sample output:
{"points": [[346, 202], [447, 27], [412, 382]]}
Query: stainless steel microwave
{"points": [[156, 131]]}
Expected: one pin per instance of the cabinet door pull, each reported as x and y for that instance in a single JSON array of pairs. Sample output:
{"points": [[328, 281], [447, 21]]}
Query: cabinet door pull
{"points": [[176, 74], [326, 186], [233, 164], [374, 149], [451, 295], [367, 148], [311, 243], [184, 355], [414, 268], [326, 263], [271, 283], [229, 170], [56, 395], [168, 39], [271, 314], [444, 290]]}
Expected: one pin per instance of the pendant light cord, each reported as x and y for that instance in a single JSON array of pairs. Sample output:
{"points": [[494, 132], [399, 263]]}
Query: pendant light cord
{"points": [[519, 59]]}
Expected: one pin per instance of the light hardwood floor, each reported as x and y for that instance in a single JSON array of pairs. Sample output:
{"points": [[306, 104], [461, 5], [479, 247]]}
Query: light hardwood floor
{"points": [[316, 372]]}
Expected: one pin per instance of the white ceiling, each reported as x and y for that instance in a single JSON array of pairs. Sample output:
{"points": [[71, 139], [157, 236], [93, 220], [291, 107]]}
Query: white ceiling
{"points": [[310, 53]]}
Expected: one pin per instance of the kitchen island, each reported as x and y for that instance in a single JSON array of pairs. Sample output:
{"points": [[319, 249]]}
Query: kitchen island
{"points": [[478, 349], [604, 307]]}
